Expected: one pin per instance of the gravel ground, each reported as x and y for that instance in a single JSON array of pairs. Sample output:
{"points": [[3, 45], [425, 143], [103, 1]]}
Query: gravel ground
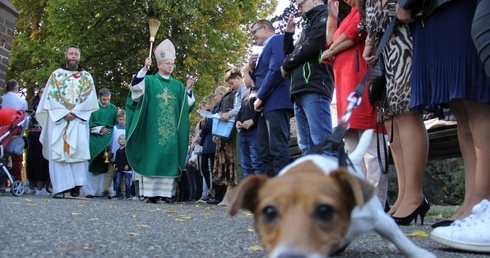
{"points": [[40, 226]]}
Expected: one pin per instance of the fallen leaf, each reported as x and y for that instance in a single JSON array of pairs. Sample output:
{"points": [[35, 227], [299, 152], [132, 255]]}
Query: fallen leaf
{"points": [[251, 230], [248, 213], [31, 204], [138, 209], [418, 233], [180, 220], [133, 234], [143, 226], [28, 200], [75, 214], [185, 217], [256, 248], [133, 216], [111, 207], [93, 219]]}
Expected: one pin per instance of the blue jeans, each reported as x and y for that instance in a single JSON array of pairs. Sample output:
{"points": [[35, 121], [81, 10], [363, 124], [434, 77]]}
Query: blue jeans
{"points": [[250, 160], [313, 123], [127, 182]]}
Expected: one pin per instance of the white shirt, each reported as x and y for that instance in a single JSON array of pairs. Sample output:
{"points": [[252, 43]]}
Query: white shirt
{"points": [[11, 100]]}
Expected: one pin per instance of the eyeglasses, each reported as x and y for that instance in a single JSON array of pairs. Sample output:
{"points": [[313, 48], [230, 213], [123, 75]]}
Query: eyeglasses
{"points": [[257, 29], [301, 4]]}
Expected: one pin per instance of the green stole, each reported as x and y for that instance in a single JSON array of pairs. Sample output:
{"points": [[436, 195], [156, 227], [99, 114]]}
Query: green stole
{"points": [[157, 128], [107, 117]]}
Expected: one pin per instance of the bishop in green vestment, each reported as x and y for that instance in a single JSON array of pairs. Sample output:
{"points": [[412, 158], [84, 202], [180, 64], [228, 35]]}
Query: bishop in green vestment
{"points": [[157, 124]]}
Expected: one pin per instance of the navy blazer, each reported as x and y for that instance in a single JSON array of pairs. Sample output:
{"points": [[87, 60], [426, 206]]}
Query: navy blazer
{"points": [[271, 87]]}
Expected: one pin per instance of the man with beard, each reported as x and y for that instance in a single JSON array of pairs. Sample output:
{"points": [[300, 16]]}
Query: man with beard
{"points": [[63, 113]]}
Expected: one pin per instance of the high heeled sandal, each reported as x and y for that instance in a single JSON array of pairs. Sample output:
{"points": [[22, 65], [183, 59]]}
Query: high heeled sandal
{"points": [[421, 210]]}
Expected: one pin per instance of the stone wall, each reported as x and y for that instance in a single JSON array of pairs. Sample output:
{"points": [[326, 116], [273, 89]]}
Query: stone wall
{"points": [[443, 182], [8, 17]]}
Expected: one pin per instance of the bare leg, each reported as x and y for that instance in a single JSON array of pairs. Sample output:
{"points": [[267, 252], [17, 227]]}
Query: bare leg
{"points": [[466, 145], [397, 153], [415, 144], [477, 185]]}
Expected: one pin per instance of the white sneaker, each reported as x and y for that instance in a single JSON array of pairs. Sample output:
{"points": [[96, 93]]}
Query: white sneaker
{"points": [[31, 191], [471, 233], [42, 192]]}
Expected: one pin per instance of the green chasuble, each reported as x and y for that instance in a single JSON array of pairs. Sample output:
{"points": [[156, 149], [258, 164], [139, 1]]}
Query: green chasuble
{"points": [[107, 117], [157, 128]]}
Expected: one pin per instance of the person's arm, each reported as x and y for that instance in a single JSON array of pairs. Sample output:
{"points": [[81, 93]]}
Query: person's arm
{"points": [[332, 21], [310, 48], [288, 44], [137, 85], [273, 77]]}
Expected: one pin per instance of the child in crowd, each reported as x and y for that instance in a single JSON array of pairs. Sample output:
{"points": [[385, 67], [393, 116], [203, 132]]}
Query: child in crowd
{"points": [[123, 170], [119, 129], [246, 125]]}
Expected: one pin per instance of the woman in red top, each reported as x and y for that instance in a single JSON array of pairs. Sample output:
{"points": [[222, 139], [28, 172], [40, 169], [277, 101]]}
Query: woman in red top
{"points": [[345, 47]]}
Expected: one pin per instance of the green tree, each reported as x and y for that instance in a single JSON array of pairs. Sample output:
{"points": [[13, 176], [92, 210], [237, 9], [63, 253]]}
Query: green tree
{"points": [[114, 38]]}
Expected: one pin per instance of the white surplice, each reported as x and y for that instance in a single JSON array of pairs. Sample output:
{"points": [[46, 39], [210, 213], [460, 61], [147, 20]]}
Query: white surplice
{"points": [[66, 143]]}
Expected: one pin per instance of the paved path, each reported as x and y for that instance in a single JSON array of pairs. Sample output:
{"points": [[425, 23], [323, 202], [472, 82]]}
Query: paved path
{"points": [[34, 226]]}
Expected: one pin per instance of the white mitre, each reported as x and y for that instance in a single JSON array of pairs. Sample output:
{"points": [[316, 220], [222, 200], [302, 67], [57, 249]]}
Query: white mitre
{"points": [[165, 51]]}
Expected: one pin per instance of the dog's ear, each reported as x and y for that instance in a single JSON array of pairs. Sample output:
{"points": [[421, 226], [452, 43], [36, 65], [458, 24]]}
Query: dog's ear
{"points": [[245, 196], [361, 190]]}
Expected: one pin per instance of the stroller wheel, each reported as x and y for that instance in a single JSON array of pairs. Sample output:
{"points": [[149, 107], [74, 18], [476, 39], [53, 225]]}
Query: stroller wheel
{"points": [[17, 188]]}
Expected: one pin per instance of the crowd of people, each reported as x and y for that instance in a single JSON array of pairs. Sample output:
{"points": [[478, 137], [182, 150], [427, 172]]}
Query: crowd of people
{"points": [[146, 150]]}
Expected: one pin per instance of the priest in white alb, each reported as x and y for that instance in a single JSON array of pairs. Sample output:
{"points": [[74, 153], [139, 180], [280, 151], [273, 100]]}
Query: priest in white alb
{"points": [[63, 112]]}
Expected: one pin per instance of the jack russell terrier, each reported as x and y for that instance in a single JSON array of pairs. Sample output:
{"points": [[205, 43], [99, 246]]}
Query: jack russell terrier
{"points": [[315, 209]]}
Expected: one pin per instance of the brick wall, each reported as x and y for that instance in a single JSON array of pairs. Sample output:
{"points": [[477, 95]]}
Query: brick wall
{"points": [[8, 16]]}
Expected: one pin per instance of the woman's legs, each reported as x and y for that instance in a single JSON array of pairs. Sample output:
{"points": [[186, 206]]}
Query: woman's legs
{"points": [[474, 141], [397, 154], [414, 150]]}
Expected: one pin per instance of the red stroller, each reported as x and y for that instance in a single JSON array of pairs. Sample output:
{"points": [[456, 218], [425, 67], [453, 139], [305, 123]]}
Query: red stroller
{"points": [[12, 126]]}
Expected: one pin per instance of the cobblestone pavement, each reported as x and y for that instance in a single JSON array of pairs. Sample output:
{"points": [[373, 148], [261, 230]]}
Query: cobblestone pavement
{"points": [[41, 226]]}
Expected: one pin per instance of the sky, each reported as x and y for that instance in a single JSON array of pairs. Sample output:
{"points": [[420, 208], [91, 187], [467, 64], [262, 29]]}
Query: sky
{"points": [[281, 4]]}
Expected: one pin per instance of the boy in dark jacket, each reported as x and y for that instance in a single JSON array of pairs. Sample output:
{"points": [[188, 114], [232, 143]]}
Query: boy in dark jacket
{"points": [[123, 170], [246, 125]]}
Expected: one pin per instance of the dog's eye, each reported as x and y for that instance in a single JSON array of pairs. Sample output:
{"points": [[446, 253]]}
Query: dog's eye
{"points": [[269, 214], [324, 212]]}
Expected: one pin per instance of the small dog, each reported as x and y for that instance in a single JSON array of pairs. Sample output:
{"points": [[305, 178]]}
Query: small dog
{"points": [[315, 209]]}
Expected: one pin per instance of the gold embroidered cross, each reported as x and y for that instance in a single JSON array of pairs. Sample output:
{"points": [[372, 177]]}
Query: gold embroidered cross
{"points": [[165, 96]]}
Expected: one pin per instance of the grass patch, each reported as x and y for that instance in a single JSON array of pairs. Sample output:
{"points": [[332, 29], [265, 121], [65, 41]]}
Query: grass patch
{"points": [[439, 212]]}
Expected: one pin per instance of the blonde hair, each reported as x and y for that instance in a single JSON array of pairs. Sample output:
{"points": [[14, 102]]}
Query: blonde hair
{"points": [[209, 100], [121, 113], [221, 90], [232, 73]]}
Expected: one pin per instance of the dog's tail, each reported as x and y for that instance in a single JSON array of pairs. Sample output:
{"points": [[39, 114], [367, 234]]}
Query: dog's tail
{"points": [[361, 149]]}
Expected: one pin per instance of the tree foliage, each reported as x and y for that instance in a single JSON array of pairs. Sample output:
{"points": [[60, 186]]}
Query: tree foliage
{"points": [[114, 38]]}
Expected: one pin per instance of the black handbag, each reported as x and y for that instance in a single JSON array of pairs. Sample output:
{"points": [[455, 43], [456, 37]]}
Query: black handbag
{"points": [[377, 82]]}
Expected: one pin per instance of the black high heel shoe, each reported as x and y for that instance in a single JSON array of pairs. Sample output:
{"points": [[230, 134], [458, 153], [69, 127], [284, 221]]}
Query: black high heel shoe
{"points": [[421, 210]]}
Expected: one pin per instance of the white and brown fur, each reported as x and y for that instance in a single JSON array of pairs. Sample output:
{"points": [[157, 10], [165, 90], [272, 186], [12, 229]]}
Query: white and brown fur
{"points": [[314, 208]]}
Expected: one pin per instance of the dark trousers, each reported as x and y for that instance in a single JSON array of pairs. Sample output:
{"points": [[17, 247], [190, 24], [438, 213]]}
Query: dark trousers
{"points": [[273, 133], [207, 163]]}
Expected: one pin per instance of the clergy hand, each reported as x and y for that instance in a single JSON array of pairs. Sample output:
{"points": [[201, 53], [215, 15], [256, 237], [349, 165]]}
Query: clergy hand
{"points": [[190, 82], [70, 117], [147, 64]]}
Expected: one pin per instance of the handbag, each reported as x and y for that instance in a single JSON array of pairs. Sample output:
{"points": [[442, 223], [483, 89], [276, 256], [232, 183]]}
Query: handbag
{"points": [[377, 82]]}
